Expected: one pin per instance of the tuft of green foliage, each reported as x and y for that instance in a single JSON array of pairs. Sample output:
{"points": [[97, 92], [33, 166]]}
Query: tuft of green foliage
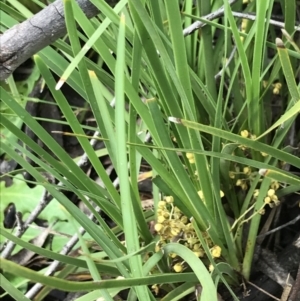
{"points": [[217, 149]]}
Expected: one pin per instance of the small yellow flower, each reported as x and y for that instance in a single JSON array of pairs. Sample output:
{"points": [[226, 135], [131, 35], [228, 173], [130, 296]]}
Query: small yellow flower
{"points": [[189, 155], [166, 214], [221, 194], [231, 174], [196, 247], [199, 253], [172, 255], [267, 200], [216, 251], [244, 186], [169, 199], [274, 185], [155, 288], [244, 24], [211, 268], [256, 193], [262, 211], [245, 134], [175, 231], [160, 219], [264, 154], [239, 182], [178, 267], [271, 193], [184, 219], [161, 204], [158, 227], [277, 88], [247, 170]]}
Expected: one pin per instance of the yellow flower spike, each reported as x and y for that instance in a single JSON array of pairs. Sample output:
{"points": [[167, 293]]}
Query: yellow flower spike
{"points": [[245, 134], [178, 268], [271, 193], [169, 199], [216, 251], [221, 194], [267, 200], [158, 227]]}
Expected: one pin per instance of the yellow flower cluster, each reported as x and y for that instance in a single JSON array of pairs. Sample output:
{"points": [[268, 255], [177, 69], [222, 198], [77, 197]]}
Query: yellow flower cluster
{"points": [[276, 88], [271, 198], [243, 183], [173, 226], [246, 134]]}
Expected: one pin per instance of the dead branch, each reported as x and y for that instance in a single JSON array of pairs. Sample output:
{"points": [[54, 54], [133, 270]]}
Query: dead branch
{"points": [[23, 40]]}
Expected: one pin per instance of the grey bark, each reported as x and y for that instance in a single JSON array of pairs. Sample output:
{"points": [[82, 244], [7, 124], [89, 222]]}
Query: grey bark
{"points": [[23, 40]]}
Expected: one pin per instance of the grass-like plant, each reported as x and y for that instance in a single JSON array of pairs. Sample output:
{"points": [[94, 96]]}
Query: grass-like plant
{"points": [[216, 150]]}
